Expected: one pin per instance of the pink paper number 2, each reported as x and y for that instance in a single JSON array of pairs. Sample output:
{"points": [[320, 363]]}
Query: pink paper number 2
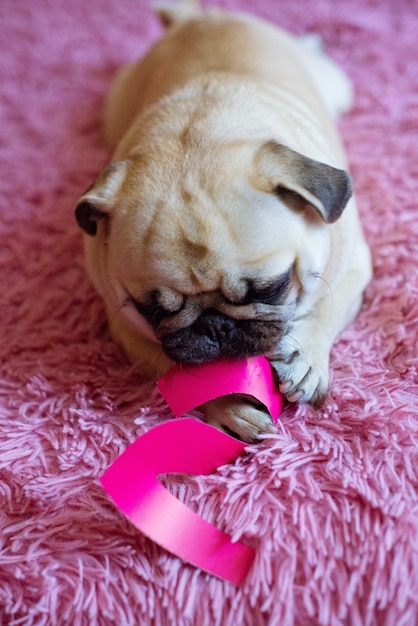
{"points": [[187, 446]]}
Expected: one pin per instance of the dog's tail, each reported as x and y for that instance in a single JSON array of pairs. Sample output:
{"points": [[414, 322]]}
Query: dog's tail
{"points": [[176, 11]]}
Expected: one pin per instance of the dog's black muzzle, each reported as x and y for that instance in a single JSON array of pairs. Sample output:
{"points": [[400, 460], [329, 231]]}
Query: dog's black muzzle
{"points": [[214, 335]]}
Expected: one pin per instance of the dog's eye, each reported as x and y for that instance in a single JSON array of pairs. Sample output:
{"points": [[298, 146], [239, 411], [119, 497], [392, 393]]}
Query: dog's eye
{"points": [[152, 310], [154, 313], [272, 293]]}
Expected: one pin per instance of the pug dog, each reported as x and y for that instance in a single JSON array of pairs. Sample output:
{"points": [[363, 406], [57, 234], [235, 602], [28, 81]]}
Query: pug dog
{"points": [[225, 225]]}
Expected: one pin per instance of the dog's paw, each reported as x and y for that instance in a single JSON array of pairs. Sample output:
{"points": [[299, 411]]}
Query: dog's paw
{"points": [[240, 416], [301, 363]]}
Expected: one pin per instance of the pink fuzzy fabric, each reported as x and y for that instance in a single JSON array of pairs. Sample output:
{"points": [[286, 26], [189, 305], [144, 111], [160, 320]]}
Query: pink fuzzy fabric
{"points": [[330, 503]]}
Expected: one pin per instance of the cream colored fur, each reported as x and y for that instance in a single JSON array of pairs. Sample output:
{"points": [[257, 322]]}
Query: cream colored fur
{"points": [[188, 208]]}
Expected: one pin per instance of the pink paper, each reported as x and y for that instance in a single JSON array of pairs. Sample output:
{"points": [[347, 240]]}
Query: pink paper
{"points": [[185, 387], [192, 447], [187, 446]]}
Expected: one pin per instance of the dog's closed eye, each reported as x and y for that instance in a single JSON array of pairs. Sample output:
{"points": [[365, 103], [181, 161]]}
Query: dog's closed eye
{"points": [[153, 311], [271, 293]]}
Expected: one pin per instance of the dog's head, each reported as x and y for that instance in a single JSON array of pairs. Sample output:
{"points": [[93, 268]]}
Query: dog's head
{"points": [[216, 253]]}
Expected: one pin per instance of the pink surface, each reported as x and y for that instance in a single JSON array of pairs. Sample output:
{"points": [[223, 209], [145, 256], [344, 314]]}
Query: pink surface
{"points": [[186, 387], [191, 447], [329, 502]]}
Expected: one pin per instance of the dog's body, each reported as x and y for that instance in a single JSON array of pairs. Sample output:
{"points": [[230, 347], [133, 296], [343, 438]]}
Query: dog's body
{"points": [[224, 226]]}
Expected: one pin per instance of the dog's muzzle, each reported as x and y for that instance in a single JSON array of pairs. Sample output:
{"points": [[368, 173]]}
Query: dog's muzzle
{"points": [[214, 335]]}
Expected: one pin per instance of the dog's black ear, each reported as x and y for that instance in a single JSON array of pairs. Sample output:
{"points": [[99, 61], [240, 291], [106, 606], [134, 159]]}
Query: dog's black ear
{"points": [[87, 216], [97, 202], [297, 179]]}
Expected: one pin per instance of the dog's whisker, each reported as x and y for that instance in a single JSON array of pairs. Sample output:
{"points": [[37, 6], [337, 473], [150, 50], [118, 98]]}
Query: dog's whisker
{"points": [[316, 275], [296, 345], [116, 313], [331, 293]]}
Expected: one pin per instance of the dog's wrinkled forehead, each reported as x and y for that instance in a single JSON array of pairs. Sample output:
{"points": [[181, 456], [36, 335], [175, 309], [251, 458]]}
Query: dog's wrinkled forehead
{"points": [[205, 244], [167, 309], [214, 278]]}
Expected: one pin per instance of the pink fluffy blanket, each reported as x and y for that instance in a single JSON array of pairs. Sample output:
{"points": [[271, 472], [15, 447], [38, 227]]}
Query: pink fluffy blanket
{"points": [[330, 503]]}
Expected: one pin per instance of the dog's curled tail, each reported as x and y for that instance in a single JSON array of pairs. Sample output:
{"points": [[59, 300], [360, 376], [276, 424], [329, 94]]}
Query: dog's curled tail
{"points": [[176, 11]]}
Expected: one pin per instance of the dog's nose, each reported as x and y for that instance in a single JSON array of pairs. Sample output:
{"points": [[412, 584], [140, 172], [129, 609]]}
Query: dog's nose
{"points": [[215, 326]]}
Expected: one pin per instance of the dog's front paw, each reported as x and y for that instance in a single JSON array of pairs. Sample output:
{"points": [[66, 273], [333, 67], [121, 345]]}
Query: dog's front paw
{"points": [[301, 363], [240, 416]]}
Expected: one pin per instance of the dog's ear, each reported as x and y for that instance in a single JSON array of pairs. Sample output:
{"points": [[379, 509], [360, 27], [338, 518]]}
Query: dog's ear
{"points": [[99, 199], [171, 12], [298, 180]]}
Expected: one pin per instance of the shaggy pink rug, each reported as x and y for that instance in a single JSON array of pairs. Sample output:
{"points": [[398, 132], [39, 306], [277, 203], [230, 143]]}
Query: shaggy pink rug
{"points": [[330, 503]]}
